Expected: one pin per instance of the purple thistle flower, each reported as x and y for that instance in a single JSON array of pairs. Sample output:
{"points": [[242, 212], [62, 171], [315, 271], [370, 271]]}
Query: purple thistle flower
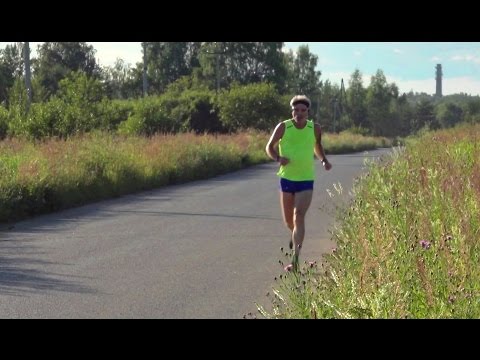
{"points": [[425, 244], [289, 267]]}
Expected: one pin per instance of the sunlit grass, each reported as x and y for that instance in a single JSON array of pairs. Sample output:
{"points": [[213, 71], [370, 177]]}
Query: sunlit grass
{"points": [[55, 174], [346, 142]]}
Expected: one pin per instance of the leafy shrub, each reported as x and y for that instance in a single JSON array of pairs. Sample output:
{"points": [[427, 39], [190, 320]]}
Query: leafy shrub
{"points": [[256, 106], [113, 112], [195, 111], [41, 120], [148, 117], [3, 122]]}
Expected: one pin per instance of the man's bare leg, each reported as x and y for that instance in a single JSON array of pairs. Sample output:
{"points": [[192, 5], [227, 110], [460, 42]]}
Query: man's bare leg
{"points": [[287, 201], [302, 201]]}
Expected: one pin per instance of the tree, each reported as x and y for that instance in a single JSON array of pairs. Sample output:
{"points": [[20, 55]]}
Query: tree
{"points": [[117, 79], [424, 115], [405, 114], [57, 59], [449, 114], [11, 67], [304, 79], [253, 62], [168, 61], [379, 97], [224, 63], [356, 98], [328, 92], [472, 110]]}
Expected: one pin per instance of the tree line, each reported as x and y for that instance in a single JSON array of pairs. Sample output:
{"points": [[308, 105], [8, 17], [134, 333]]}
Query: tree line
{"points": [[202, 86]]}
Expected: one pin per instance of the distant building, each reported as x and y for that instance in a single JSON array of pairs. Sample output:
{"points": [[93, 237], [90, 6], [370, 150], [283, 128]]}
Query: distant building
{"points": [[438, 78]]}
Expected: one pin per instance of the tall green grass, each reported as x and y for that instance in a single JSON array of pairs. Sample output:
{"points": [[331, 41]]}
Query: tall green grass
{"points": [[44, 176], [407, 245], [55, 174], [347, 142]]}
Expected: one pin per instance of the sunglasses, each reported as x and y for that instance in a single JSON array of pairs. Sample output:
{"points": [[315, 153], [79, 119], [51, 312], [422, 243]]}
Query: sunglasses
{"points": [[299, 110]]}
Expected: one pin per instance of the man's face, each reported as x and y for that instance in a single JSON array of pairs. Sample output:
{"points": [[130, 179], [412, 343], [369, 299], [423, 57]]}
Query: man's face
{"points": [[299, 111]]}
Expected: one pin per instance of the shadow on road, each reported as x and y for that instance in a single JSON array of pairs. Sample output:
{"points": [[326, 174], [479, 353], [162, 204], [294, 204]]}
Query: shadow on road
{"points": [[20, 273], [172, 213]]}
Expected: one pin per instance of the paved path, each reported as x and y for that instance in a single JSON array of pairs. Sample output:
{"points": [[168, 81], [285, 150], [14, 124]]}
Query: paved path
{"points": [[206, 249]]}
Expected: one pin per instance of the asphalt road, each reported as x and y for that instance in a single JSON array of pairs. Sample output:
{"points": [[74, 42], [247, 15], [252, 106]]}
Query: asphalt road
{"points": [[206, 249]]}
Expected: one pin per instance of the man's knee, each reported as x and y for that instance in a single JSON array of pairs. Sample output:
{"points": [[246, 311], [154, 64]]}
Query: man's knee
{"points": [[299, 216], [290, 224]]}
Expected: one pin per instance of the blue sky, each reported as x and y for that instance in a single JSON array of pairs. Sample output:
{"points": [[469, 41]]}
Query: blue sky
{"points": [[411, 65]]}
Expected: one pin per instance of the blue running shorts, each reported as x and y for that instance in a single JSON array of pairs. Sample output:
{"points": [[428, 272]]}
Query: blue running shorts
{"points": [[290, 186]]}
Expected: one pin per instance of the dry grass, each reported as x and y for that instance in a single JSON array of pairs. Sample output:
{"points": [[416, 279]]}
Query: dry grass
{"points": [[408, 246]]}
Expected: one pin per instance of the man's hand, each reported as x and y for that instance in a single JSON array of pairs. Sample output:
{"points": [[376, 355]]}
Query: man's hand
{"points": [[326, 164], [283, 160]]}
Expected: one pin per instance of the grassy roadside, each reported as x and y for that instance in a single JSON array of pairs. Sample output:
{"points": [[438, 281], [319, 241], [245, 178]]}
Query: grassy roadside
{"points": [[407, 245], [56, 174]]}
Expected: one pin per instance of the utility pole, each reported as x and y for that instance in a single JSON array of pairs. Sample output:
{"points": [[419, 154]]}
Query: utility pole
{"points": [[336, 100], [217, 54], [28, 75], [145, 82], [334, 112], [217, 70]]}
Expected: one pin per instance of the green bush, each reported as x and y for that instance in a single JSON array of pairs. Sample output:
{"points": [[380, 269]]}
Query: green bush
{"points": [[192, 107], [81, 96], [3, 122], [148, 117], [257, 106], [40, 122], [113, 112], [78, 107], [195, 111]]}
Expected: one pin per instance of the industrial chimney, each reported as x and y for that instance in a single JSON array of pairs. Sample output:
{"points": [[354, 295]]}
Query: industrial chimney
{"points": [[438, 77]]}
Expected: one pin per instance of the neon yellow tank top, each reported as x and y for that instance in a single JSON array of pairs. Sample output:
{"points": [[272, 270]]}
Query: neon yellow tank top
{"points": [[297, 145]]}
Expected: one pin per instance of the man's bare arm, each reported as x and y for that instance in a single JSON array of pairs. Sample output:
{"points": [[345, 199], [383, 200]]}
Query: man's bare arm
{"points": [[272, 148], [318, 149]]}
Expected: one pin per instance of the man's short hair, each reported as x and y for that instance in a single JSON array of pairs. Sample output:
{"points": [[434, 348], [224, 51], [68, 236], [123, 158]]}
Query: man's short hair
{"points": [[300, 99]]}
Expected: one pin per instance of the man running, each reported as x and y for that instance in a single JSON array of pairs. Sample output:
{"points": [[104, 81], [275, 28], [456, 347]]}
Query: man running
{"points": [[298, 140]]}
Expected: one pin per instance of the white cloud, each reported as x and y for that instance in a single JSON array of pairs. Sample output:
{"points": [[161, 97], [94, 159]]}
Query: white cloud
{"points": [[398, 51], [467, 58], [435, 59]]}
